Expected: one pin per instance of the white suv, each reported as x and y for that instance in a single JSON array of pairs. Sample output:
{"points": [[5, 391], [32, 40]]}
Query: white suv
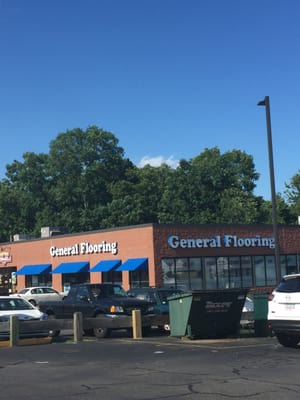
{"points": [[284, 311]]}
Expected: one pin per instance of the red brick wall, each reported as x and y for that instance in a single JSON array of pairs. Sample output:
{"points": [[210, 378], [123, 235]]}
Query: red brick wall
{"points": [[147, 241]]}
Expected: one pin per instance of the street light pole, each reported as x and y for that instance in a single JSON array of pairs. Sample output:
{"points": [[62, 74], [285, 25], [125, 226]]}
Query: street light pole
{"points": [[266, 103]]}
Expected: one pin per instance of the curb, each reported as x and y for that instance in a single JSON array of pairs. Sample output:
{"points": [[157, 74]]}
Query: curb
{"points": [[27, 342]]}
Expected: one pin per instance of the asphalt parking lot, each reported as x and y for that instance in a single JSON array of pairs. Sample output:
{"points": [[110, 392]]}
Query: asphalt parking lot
{"points": [[155, 367]]}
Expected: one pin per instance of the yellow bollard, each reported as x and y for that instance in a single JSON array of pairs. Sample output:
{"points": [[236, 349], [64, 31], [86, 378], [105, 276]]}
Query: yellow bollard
{"points": [[137, 324]]}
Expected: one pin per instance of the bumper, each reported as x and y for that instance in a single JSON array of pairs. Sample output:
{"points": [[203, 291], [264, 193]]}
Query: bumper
{"points": [[115, 321], [285, 326], [247, 319]]}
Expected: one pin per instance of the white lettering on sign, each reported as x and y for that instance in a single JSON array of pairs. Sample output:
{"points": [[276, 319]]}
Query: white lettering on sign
{"points": [[175, 242], [84, 248], [228, 241], [224, 306]]}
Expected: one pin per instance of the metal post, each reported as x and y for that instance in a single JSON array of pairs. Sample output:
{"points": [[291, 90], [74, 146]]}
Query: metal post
{"points": [[78, 326], [266, 103], [14, 330]]}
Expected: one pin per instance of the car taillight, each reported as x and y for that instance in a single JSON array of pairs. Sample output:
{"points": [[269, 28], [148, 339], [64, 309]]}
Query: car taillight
{"points": [[271, 297]]}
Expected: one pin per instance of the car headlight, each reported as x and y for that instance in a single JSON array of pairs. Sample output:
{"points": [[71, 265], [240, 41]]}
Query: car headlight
{"points": [[116, 309], [151, 309]]}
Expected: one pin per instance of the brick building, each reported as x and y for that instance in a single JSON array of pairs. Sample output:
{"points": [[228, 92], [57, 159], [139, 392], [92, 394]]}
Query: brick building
{"points": [[186, 256]]}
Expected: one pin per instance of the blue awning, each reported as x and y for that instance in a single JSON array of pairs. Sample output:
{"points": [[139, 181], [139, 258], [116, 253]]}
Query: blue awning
{"points": [[132, 264], [71, 268], [106, 265], [34, 269]]}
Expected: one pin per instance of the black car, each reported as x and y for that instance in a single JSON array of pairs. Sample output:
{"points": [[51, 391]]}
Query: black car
{"points": [[159, 298]]}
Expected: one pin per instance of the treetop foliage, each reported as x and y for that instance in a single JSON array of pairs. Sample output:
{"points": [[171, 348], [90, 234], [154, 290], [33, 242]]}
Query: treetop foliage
{"points": [[85, 183]]}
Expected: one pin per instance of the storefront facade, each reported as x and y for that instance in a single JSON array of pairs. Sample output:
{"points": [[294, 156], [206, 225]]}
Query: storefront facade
{"points": [[191, 257]]}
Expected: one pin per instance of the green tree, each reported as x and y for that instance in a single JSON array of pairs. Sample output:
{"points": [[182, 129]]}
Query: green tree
{"points": [[82, 166], [212, 188], [27, 183], [10, 208], [86, 183], [136, 199], [293, 194]]}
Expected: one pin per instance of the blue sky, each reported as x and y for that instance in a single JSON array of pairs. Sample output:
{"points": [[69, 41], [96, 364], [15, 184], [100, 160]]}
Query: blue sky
{"points": [[168, 78]]}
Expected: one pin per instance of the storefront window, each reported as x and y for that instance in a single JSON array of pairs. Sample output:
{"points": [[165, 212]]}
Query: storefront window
{"points": [[196, 275], [112, 277], [247, 276], [168, 272], [210, 271], [288, 264], [292, 267], [182, 273], [215, 273], [283, 265], [223, 273], [235, 272], [259, 269], [69, 279], [38, 280], [270, 270], [139, 278]]}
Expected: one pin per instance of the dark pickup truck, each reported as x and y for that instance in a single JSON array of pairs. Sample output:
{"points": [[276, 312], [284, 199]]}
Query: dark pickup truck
{"points": [[100, 300]]}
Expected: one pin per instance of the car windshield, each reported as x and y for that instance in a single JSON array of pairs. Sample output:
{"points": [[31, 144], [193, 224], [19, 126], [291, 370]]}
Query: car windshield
{"points": [[14, 304], [289, 285]]}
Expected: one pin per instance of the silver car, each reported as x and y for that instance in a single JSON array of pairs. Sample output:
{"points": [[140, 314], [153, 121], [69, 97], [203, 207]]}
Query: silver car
{"points": [[25, 311], [39, 293]]}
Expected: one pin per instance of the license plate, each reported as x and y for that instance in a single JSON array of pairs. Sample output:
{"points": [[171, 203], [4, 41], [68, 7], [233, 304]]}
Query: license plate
{"points": [[290, 307]]}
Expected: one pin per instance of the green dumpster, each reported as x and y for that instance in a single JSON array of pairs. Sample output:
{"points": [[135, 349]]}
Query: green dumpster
{"points": [[206, 314], [261, 326]]}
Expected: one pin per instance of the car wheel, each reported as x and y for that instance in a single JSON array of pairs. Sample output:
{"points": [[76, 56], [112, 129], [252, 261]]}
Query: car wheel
{"points": [[53, 333], [101, 333], [33, 302], [287, 340]]}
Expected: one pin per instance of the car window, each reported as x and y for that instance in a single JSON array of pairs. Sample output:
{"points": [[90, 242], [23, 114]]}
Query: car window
{"points": [[144, 296], [23, 291], [164, 294], [82, 292], [50, 290], [119, 291], [289, 285], [14, 304]]}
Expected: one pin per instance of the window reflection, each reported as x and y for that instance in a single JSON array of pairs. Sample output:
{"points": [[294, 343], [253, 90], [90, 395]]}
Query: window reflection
{"points": [[214, 273], [210, 272]]}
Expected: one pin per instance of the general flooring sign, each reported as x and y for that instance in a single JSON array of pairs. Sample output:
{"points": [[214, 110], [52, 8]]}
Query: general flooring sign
{"points": [[218, 241], [84, 248]]}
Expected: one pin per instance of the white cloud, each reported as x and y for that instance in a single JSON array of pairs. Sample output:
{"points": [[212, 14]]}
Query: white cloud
{"points": [[158, 160]]}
